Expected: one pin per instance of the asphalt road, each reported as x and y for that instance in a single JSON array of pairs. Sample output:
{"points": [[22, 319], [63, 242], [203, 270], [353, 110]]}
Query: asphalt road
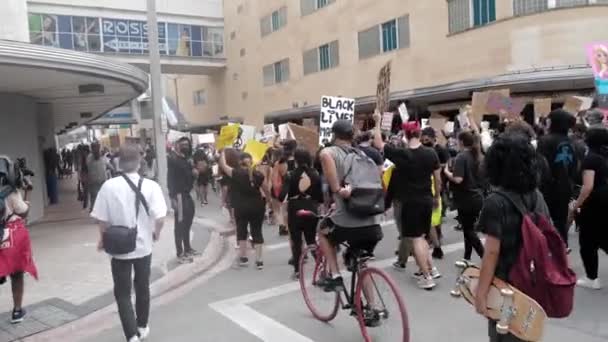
{"points": [[250, 305]]}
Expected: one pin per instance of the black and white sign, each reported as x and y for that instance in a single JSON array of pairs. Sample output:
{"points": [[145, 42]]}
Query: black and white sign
{"points": [[332, 110]]}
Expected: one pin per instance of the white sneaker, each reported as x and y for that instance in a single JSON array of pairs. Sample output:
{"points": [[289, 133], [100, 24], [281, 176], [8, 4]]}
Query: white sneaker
{"points": [[589, 284], [143, 333], [435, 273], [426, 283], [134, 339]]}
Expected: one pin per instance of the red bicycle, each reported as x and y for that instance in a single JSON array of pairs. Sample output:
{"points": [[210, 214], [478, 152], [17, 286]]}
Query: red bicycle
{"points": [[372, 296]]}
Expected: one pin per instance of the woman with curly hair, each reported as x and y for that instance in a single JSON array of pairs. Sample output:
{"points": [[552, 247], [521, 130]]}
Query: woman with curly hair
{"points": [[511, 166]]}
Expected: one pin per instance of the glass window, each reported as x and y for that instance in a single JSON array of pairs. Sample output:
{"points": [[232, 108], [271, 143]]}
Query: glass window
{"points": [[523, 7], [369, 42], [389, 36], [276, 23], [459, 15], [43, 29], [324, 59], [277, 72], [484, 11], [571, 3], [321, 3]]}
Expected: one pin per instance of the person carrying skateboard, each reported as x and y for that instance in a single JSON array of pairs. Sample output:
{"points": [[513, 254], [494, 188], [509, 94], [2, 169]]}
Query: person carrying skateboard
{"points": [[511, 166]]}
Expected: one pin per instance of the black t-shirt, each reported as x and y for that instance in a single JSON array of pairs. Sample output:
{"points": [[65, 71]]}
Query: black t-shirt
{"points": [[313, 192], [180, 178], [416, 166], [559, 152], [245, 191], [597, 163], [442, 153], [471, 187], [373, 154], [501, 220]]}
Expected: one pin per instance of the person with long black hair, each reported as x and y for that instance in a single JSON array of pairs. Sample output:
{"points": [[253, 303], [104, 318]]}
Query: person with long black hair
{"points": [[303, 193], [511, 166], [592, 202], [468, 190]]}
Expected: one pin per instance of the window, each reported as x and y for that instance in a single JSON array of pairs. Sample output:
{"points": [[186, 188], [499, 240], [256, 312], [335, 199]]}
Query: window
{"points": [[200, 97], [273, 22], [484, 11], [244, 95], [309, 6], [392, 35], [243, 52], [459, 17], [276, 72], [523, 7], [389, 36], [571, 3], [232, 35], [324, 57], [239, 9]]}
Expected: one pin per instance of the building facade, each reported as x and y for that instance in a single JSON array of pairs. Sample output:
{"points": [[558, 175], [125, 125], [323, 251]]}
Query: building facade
{"points": [[282, 56]]}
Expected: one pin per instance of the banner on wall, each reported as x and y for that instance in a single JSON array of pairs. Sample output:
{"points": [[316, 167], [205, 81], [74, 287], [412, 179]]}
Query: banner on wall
{"points": [[334, 109], [383, 88], [597, 54]]}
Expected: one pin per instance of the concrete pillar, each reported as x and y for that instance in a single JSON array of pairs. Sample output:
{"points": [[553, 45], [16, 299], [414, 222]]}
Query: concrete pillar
{"points": [[13, 17]]}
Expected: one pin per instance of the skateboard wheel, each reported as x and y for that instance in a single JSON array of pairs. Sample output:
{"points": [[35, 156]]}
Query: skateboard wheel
{"points": [[461, 264], [507, 292], [502, 329], [456, 293]]}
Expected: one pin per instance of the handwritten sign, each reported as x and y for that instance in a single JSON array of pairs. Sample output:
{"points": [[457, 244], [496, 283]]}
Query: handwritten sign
{"points": [[269, 130], [587, 102], [332, 110], [383, 88], [572, 105], [306, 137], [479, 103], [207, 138], [228, 135], [438, 124], [285, 132], [405, 116], [499, 103], [542, 107], [387, 121]]}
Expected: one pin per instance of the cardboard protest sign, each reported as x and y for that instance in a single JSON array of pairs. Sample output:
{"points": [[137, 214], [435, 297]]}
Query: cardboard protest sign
{"points": [[480, 101], [542, 107], [228, 135], [256, 149], [383, 88], [306, 138], [387, 121], [207, 138], [269, 130], [310, 123], [405, 116], [572, 105], [332, 110], [586, 102], [438, 124], [498, 103]]}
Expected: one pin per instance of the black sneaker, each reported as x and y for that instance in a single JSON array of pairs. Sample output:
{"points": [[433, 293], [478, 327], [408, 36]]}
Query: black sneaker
{"points": [[283, 231], [18, 316], [331, 284], [290, 262], [243, 261], [372, 318], [437, 253], [259, 265], [193, 253], [399, 266]]}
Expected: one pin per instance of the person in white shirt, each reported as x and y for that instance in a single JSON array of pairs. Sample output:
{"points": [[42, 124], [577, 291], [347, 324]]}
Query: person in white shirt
{"points": [[115, 206]]}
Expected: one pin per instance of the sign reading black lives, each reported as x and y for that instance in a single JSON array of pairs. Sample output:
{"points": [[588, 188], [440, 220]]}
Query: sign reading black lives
{"points": [[334, 109]]}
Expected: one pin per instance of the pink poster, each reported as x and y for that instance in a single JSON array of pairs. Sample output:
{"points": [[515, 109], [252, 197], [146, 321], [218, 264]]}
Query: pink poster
{"points": [[597, 54]]}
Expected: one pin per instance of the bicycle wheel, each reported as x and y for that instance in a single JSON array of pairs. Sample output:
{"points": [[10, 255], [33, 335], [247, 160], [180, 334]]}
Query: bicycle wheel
{"points": [[323, 305], [380, 308]]}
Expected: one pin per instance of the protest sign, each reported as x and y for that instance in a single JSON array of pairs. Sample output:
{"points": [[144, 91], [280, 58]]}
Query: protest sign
{"points": [[572, 105], [405, 116], [383, 88], [284, 132], [256, 149], [269, 130], [207, 138], [424, 123], [310, 123], [542, 107], [480, 101], [228, 135], [306, 138], [332, 110], [387, 121], [586, 102], [438, 124], [498, 103], [387, 173], [174, 135]]}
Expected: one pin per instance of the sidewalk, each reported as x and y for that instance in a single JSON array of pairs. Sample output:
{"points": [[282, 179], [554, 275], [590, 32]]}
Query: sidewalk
{"points": [[75, 278]]}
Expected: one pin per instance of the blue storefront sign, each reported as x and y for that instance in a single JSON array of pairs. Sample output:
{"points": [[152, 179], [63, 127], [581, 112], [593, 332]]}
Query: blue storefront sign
{"points": [[124, 36]]}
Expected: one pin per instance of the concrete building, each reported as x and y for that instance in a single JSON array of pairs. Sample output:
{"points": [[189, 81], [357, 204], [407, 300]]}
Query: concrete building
{"points": [[282, 56]]}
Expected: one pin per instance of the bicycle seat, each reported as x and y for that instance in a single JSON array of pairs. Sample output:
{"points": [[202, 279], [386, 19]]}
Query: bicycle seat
{"points": [[359, 254]]}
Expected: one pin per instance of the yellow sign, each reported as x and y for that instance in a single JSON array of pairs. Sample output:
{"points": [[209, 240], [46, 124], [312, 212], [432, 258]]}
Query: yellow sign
{"points": [[386, 176], [257, 150], [228, 135]]}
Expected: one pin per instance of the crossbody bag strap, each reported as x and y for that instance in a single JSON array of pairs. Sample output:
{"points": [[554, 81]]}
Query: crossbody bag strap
{"points": [[139, 197]]}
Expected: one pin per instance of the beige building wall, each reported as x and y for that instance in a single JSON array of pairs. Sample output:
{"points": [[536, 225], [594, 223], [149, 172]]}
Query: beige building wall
{"points": [[182, 89], [434, 57]]}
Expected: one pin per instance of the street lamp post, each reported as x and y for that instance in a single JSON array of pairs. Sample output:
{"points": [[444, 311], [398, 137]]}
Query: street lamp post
{"points": [[157, 106]]}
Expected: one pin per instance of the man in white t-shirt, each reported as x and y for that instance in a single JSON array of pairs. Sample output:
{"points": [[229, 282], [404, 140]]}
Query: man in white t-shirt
{"points": [[115, 206]]}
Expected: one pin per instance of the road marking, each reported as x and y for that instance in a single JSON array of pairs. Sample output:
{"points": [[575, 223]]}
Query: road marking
{"points": [[237, 309]]}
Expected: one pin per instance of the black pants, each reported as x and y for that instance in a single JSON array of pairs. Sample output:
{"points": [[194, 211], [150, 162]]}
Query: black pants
{"points": [[252, 218], [467, 215], [299, 226], [558, 208], [183, 226], [591, 238], [496, 337], [122, 271]]}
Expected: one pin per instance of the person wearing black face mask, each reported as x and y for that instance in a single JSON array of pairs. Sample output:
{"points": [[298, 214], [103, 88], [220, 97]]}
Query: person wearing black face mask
{"points": [[180, 181]]}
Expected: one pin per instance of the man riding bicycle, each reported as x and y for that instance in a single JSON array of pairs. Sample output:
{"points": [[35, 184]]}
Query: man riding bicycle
{"points": [[361, 233]]}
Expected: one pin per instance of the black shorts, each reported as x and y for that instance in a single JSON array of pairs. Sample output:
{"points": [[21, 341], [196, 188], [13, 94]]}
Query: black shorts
{"points": [[13, 276], [364, 238], [416, 219]]}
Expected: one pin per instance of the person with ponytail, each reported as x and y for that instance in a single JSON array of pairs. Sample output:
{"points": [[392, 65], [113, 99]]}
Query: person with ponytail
{"points": [[590, 205], [468, 190], [303, 193]]}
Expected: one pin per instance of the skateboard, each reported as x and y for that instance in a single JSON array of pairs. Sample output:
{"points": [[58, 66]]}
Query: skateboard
{"points": [[515, 312]]}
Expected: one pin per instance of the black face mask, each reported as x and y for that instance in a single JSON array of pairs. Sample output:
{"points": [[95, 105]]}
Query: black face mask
{"points": [[185, 150], [428, 144]]}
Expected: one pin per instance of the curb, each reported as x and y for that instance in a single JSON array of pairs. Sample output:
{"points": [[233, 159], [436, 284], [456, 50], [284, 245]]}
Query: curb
{"points": [[214, 259]]}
